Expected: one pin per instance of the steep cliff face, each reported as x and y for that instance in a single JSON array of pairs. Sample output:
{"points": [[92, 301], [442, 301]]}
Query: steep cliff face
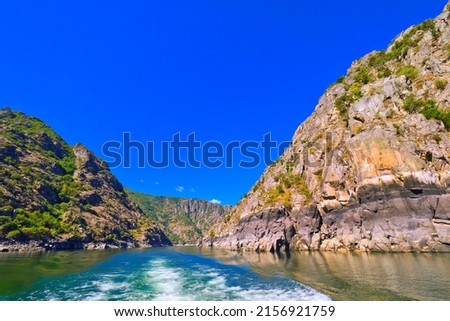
{"points": [[182, 220], [369, 169], [54, 196]]}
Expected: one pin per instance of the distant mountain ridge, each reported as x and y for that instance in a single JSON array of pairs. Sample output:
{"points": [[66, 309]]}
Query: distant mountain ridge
{"points": [[182, 220], [54, 196]]}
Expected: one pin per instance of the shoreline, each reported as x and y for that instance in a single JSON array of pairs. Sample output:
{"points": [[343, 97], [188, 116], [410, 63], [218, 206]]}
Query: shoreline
{"points": [[11, 246], [53, 245]]}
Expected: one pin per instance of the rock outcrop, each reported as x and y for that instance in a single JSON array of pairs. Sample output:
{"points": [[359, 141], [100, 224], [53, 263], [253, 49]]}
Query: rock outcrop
{"points": [[369, 170], [53, 196]]}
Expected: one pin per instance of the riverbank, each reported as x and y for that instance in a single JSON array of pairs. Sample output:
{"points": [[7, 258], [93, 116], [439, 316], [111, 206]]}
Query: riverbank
{"points": [[65, 245]]}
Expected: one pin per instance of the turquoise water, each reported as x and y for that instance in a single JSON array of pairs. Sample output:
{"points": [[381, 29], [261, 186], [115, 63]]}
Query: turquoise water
{"points": [[190, 273], [154, 274]]}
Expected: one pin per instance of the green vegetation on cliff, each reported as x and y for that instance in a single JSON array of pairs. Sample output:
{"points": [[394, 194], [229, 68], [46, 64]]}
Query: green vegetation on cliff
{"points": [[387, 62], [49, 190], [428, 108], [33, 160], [182, 220], [379, 139]]}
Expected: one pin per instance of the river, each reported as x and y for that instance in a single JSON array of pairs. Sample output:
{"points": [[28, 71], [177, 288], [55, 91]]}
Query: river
{"points": [[190, 273]]}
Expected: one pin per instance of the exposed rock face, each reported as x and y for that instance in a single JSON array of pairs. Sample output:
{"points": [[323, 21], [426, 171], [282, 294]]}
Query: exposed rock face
{"points": [[182, 220], [53, 196], [370, 168]]}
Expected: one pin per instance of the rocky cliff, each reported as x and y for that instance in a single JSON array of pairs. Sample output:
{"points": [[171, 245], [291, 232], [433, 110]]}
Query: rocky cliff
{"points": [[369, 170], [53, 196], [182, 220]]}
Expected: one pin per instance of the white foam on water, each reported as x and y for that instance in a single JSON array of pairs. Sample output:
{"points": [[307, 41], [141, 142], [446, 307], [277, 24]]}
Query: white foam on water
{"points": [[217, 288], [91, 291], [167, 281], [105, 286], [218, 282], [207, 284], [100, 290]]}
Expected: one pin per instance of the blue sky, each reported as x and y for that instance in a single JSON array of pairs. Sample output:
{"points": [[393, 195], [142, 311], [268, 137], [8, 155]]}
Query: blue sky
{"points": [[225, 70]]}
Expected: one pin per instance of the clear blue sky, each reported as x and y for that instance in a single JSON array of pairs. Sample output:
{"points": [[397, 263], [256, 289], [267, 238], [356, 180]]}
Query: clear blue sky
{"points": [[226, 70]]}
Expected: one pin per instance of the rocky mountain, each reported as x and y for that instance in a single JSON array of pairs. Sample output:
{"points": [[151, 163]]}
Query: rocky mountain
{"points": [[54, 196], [182, 220], [369, 170]]}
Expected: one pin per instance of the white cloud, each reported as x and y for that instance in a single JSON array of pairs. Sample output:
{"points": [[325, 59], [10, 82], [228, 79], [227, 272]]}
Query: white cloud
{"points": [[142, 181], [192, 190], [214, 201], [157, 183], [179, 188]]}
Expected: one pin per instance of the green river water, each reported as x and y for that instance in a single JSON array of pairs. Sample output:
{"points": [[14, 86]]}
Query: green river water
{"points": [[190, 273]]}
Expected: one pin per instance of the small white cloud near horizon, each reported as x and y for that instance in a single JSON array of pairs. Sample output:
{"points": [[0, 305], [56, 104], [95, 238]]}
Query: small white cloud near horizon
{"points": [[157, 183], [214, 201], [179, 188], [193, 190]]}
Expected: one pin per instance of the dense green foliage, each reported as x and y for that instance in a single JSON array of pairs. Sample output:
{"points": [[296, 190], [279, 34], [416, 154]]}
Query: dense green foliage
{"points": [[428, 108], [363, 75], [287, 185], [34, 162], [432, 111], [31, 225], [410, 72], [441, 84], [400, 47], [351, 95]]}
